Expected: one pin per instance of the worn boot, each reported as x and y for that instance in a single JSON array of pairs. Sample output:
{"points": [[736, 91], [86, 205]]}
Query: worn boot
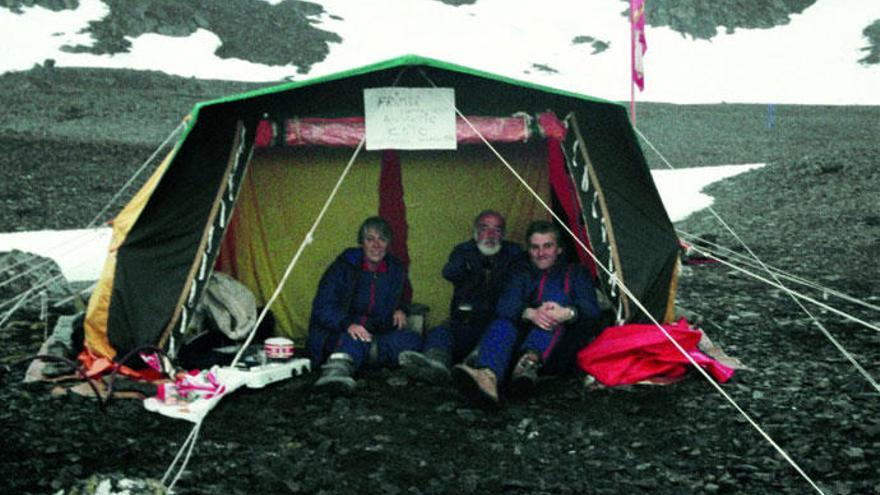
{"points": [[430, 367], [336, 375], [480, 386], [525, 374]]}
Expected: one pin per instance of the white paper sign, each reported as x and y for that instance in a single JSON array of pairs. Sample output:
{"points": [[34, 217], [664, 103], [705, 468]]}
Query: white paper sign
{"points": [[410, 118]]}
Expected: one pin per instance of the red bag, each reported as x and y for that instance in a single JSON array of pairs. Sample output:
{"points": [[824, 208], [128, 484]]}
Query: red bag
{"points": [[628, 354]]}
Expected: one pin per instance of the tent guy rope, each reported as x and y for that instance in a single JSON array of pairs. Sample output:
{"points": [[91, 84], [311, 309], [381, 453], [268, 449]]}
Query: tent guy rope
{"points": [[79, 241], [189, 444], [87, 236], [822, 328], [644, 310], [175, 133], [638, 303], [745, 260], [792, 294], [796, 294], [308, 238], [19, 301]]}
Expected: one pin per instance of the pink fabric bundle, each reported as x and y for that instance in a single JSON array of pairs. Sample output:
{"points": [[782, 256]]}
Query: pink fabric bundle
{"points": [[191, 386], [634, 353], [348, 131]]}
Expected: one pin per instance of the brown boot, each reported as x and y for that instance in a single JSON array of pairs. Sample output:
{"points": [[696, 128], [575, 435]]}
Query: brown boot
{"points": [[480, 386]]}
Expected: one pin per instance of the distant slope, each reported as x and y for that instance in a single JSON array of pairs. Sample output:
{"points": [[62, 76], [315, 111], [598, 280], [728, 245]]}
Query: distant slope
{"points": [[113, 105], [701, 19], [288, 32], [872, 33]]}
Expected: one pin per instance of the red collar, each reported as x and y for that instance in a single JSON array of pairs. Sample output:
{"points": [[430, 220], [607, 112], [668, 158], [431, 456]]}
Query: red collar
{"points": [[381, 267]]}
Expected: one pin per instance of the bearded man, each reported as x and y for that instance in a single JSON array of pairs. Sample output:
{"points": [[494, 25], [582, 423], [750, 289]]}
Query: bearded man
{"points": [[478, 270], [546, 314]]}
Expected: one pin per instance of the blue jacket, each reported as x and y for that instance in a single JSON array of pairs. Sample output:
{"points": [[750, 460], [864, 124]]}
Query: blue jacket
{"points": [[349, 293], [478, 280], [530, 287]]}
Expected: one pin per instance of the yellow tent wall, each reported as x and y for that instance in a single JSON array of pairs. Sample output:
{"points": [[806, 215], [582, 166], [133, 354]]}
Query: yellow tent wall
{"points": [[285, 189]]}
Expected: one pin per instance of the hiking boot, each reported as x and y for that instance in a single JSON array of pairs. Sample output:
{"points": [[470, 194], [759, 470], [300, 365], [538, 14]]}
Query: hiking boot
{"points": [[525, 374], [336, 376], [480, 386], [429, 367]]}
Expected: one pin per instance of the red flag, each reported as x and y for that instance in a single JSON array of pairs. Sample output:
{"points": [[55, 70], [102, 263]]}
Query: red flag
{"points": [[639, 45]]}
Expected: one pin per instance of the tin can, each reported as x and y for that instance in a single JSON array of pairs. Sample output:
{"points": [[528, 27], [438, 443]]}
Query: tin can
{"points": [[278, 348]]}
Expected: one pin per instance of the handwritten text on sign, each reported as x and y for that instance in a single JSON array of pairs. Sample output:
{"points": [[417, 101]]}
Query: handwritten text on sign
{"points": [[410, 118]]}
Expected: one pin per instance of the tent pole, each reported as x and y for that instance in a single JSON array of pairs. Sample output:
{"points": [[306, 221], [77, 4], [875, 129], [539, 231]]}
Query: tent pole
{"points": [[178, 317], [606, 214], [632, 102]]}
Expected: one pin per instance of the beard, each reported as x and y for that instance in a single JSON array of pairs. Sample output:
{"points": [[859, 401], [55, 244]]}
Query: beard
{"points": [[488, 247]]}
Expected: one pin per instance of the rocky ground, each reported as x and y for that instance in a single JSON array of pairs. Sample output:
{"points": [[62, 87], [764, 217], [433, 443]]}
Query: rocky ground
{"points": [[72, 138]]}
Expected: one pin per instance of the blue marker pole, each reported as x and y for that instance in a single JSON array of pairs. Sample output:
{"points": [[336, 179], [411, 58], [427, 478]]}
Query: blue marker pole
{"points": [[771, 116]]}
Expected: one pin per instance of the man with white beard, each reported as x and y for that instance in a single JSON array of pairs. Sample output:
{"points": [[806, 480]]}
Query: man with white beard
{"points": [[478, 270]]}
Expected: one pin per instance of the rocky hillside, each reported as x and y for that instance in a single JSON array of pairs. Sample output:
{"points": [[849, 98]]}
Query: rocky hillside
{"points": [[289, 33]]}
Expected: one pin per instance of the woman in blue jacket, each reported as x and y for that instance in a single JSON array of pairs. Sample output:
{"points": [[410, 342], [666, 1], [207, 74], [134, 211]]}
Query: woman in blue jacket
{"points": [[357, 316]]}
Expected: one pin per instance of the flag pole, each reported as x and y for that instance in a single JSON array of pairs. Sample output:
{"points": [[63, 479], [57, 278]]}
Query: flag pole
{"points": [[632, 63], [632, 101]]}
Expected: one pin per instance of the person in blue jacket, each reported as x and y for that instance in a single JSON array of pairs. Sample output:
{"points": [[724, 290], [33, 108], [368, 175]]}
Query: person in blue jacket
{"points": [[478, 270], [357, 314], [553, 302]]}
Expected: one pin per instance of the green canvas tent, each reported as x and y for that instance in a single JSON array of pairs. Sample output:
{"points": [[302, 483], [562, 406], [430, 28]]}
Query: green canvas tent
{"points": [[247, 179]]}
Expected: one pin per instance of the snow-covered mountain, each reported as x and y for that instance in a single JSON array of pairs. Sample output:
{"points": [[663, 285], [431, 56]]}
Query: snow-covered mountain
{"points": [[813, 59]]}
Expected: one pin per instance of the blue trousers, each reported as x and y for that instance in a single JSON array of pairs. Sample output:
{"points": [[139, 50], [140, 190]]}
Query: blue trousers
{"points": [[500, 340], [455, 338], [382, 351]]}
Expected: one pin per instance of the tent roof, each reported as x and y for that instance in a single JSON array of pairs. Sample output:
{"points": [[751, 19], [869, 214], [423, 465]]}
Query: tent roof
{"points": [[175, 231], [401, 62]]}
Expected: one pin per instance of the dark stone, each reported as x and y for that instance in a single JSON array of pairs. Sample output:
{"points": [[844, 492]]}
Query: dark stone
{"points": [[29, 280]]}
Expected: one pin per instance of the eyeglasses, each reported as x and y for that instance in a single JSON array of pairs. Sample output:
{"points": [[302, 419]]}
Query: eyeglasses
{"points": [[483, 229]]}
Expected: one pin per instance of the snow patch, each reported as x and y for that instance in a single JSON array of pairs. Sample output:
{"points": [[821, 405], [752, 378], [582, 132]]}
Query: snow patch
{"points": [[81, 253], [811, 60]]}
